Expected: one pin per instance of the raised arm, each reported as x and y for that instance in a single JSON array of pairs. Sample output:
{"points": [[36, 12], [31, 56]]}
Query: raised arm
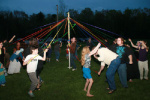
{"points": [[95, 49], [12, 39], [44, 57], [133, 44]]}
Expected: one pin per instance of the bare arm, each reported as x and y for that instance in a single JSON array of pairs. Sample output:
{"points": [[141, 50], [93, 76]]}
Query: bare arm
{"points": [[95, 49], [133, 44], [44, 57], [12, 39], [130, 59]]}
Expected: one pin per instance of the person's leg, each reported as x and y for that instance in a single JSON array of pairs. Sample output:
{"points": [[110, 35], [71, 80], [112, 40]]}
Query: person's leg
{"points": [[34, 82], [110, 74], [122, 71], [72, 61], [146, 69], [140, 64], [89, 88], [86, 84]]}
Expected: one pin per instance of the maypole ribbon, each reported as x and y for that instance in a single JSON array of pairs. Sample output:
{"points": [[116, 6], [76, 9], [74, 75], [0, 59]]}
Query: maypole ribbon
{"points": [[48, 45], [83, 27]]}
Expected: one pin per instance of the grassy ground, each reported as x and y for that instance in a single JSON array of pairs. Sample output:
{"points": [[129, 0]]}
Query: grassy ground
{"points": [[60, 83]]}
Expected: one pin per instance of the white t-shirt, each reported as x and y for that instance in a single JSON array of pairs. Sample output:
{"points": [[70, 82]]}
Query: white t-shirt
{"points": [[106, 56], [32, 66]]}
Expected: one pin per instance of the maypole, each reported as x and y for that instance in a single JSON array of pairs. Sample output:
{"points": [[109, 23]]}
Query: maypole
{"points": [[69, 37]]}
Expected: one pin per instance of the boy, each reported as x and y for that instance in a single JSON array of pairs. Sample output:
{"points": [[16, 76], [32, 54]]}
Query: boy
{"points": [[32, 61]]}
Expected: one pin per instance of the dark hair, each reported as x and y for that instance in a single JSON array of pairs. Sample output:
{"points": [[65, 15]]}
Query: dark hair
{"points": [[33, 48], [33, 41]]}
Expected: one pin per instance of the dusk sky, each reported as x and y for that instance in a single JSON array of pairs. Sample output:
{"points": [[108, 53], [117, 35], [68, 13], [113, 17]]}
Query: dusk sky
{"points": [[49, 6]]}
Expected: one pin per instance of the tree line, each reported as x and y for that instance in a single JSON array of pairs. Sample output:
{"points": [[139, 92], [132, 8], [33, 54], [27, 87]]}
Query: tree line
{"points": [[133, 23]]}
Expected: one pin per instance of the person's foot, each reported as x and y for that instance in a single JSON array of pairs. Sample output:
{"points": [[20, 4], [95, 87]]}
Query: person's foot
{"points": [[111, 91], [146, 78], [31, 94], [74, 69], [57, 60], [130, 80], [89, 95], [107, 88]]}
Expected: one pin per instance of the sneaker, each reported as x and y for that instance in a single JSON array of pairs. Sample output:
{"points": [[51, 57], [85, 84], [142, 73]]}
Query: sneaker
{"points": [[31, 94], [74, 69]]}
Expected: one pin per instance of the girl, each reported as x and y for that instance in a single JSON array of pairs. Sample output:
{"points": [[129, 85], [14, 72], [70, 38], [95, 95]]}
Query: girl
{"points": [[2, 76], [86, 63]]}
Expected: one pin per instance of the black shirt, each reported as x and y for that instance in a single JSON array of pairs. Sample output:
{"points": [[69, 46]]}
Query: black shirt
{"points": [[122, 51]]}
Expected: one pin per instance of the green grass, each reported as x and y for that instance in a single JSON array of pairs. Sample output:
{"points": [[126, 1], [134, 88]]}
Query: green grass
{"points": [[60, 83]]}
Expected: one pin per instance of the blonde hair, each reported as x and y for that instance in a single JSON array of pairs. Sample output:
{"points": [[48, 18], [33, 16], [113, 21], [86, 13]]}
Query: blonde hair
{"points": [[84, 51]]}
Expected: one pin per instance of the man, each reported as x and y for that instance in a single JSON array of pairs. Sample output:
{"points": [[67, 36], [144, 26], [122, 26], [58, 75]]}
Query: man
{"points": [[110, 58]]}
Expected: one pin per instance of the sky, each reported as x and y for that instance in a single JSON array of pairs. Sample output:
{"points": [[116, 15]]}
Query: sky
{"points": [[49, 6]]}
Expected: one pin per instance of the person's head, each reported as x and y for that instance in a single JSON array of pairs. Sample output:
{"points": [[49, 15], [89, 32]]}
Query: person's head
{"points": [[89, 40], [84, 51], [34, 49], [1, 44], [73, 40], [33, 41], [120, 41], [4, 41], [138, 43], [46, 43]]}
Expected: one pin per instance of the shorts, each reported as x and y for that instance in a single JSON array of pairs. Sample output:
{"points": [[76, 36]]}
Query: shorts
{"points": [[87, 73]]}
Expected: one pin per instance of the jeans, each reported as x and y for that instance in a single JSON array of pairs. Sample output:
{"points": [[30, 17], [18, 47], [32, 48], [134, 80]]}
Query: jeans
{"points": [[110, 74], [57, 54], [122, 71], [72, 60]]}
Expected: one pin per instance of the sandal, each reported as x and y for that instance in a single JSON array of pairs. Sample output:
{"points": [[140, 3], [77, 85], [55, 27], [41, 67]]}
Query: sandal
{"points": [[111, 91]]}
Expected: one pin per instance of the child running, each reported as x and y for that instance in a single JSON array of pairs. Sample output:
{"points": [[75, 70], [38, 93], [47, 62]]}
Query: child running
{"points": [[86, 63], [32, 61]]}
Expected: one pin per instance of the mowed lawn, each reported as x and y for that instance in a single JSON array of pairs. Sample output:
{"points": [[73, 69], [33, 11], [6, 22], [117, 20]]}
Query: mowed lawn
{"points": [[61, 83]]}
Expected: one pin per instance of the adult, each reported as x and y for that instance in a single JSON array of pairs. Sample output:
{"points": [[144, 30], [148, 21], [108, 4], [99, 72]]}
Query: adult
{"points": [[110, 58], [143, 59], [132, 69], [7, 55], [124, 54]]}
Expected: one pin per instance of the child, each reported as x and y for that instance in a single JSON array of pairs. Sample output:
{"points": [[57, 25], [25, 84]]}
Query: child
{"points": [[49, 52], [32, 61], [2, 76], [15, 65], [85, 62], [67, 52]]}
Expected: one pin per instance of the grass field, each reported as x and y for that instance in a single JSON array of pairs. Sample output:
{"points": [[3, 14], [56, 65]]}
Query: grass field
{"points": [[60, 83]]}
